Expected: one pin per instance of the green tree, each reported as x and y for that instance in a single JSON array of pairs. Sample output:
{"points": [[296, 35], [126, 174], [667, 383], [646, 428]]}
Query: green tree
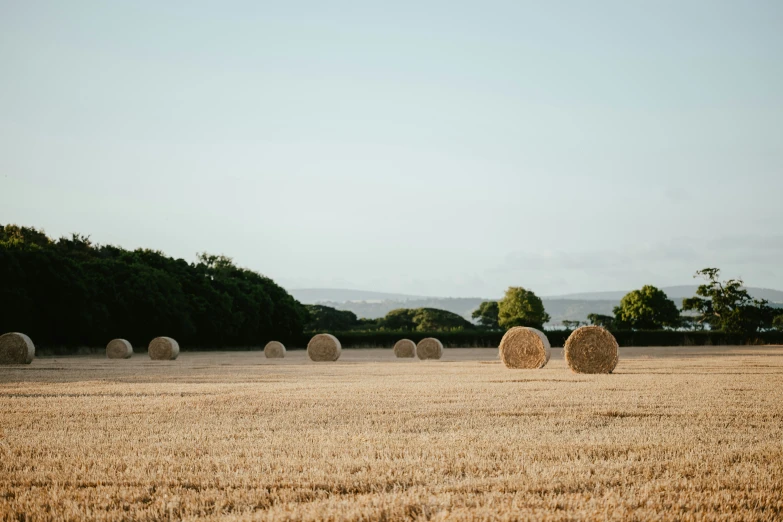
{"points": [[434, 319], [521, 307], [71, 292], [325, 319], [424, 319], [777, 322], [487, 314], [399, 319], [571, 325], [647, 309], [727, 305]]}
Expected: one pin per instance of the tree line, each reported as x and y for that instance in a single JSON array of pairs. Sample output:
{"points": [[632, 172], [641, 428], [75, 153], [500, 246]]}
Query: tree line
{"points": [[724, 306], [720, 306], [519, 307], [70, 292]]}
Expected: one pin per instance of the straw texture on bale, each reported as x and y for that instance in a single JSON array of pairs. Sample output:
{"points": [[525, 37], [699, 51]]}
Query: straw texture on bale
{"points": [[16, 348], [405, 348], [274, 350], [429, 348], [591, 349], [525, 348], [324, 347], [163, 349], [119, 349]]}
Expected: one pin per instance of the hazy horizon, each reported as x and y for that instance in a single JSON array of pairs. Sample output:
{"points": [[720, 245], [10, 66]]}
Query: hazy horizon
{"points": [[443, 149]]}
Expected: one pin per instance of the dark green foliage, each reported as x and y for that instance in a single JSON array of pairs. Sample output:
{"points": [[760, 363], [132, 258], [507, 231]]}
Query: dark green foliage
{"points": [[607, 321], [70, 293], [487, 314], [328, 319], [399, 319], [433, 319], [646, 309], [777, 322], [423, 319], [727, 306], [521, 307]]}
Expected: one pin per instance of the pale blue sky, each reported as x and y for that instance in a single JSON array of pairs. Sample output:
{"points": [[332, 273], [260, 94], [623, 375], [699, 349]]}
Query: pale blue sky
{"points": [[433, 148]]}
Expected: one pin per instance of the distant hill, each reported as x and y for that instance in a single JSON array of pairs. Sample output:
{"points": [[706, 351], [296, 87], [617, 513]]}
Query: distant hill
{"points": [[572, 307], [341, 295], [674, 292]]}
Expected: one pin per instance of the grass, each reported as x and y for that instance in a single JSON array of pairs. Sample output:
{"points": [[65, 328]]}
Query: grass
{"points": [[684, 433]]}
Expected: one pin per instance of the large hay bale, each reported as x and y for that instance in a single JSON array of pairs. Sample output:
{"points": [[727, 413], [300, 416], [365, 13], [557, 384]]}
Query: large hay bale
{"points": [[591, 349], [274, 350], [405, 348], [16, 348], [324, 347], [429, 348], [523, 347], [163, 349], [119, 349]]}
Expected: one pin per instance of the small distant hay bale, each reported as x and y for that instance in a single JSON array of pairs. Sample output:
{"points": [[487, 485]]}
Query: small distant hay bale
{"points": [[163, 349], [429, 348], [591, 349], [274, 350], [16, 348], [119, 349], [324, 347], [524, 348], [405, 348]]}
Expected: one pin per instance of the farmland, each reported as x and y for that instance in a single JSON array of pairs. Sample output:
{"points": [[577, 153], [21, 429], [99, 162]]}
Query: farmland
{"points": [[675, 433]]}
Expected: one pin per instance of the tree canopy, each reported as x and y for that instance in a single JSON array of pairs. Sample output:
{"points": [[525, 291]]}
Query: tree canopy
{"points": [[487, 314], [325, 318], [521, 307], [727, 305], [646, 309], [70, 292], [423, 320]]}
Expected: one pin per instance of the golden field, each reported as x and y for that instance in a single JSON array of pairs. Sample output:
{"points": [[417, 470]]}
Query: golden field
{"points": [[674, 434]]}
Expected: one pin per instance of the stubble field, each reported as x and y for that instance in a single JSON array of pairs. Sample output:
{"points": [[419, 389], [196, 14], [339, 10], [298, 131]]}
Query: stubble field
{"points": [[673, 434]]}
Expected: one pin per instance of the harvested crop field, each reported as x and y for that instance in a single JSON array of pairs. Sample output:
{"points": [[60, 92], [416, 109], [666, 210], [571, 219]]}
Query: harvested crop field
{"points": [[673, 434]]}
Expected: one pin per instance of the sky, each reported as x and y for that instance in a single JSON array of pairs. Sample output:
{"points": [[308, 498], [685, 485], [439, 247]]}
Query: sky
{"points": [[438, 148]]}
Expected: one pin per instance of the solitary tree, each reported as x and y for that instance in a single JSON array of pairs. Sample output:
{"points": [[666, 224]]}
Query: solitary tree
{"points": [[521, 307], [727, 305], [487, 314], [647, 309]]}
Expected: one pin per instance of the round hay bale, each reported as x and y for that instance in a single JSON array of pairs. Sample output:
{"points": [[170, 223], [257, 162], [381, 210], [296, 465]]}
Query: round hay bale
{"points": [[324, 347], [274, 350], [119, 349], [16, 348], [523, 347], [163, 349], [591, 349], [429, 348], [405, 348]]}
